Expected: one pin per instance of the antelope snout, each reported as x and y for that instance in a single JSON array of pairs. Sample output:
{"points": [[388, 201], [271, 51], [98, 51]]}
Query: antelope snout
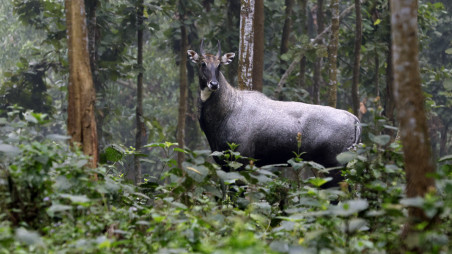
{"points": [[213, 85]]}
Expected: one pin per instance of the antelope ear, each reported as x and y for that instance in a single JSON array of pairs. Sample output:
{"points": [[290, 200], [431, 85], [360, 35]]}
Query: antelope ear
{"points": [[227, 58], [194, 57]]}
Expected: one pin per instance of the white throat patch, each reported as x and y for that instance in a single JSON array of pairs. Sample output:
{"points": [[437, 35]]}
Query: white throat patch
{"points": [[205, 94]]}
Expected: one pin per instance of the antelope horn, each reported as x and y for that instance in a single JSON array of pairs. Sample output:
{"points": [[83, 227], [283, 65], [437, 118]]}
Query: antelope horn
{"points": [[219, 49], [201, 48]]}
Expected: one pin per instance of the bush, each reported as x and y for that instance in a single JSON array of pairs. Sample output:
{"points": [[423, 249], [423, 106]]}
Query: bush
{"points": [[50, 202]]}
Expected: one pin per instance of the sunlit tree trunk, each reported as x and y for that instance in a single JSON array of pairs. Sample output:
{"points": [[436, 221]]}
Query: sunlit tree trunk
{"points": [[246, 45], [141, 129], [409, 100], [183, 90], [81, 121], [284, 47], [332, 54], [357, 56]]}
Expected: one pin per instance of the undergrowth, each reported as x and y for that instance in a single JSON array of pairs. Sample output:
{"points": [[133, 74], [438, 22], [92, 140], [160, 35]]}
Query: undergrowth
{"points": [[51, 203]]}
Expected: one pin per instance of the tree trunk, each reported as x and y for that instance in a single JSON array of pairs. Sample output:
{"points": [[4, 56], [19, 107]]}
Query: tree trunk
{"points": [[389, 102], [81, 121], [233, 22], [443, 144], [409, 100], [332, 54], [318, 60], [246, 45], [183, 89], [286, 34], [357, 55], [141, 129], [304, 30], [93, 45], [259, 44]]}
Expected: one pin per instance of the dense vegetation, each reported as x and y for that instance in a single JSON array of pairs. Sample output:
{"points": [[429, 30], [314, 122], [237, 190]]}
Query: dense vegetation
{"points": [[51, 202]]}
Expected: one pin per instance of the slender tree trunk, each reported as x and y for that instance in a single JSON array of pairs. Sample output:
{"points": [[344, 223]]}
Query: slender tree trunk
{"points": [[81, 94], [286, 33], [332, 54], [409, 100], [389, 102], [377, 75], [233, 22], [295, 62], [183, 96], [141, 129], [443, 144], [318, 61], [357, 55], [304, 30], [259, 44], [246, 45]]}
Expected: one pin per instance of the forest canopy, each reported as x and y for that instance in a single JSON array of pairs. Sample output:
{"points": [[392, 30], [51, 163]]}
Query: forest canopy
{"points": [[101, 149]]}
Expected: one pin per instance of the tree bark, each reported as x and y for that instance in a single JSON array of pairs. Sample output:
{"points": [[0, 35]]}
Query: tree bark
{"points": [[443, 144], [141, 129], [357, 55], [233, 22], [259, 44], [81, 121], [183, 94], [246, 45], [409, 100], [389, 102], [318, 60], [284, 47], [304, 30], [332, 54]]}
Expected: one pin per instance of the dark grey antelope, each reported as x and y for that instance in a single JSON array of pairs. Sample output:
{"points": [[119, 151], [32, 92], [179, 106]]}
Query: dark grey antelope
{"points": [[266, 129]]}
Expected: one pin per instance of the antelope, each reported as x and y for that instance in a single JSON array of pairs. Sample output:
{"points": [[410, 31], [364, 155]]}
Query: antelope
{"points": [[265, 129]]}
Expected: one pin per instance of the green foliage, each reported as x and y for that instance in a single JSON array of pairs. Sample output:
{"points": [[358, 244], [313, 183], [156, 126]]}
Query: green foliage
{"points": [[50, 202]]}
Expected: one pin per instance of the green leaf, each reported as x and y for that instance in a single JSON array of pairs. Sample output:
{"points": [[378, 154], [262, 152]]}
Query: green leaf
{"points": [[78, 199], [447, 84], [28, 237], [229, 177], [317, 182], [58, 208], [380, 139], [445, 158], [346, 157], [9, 149], [449, 51], [57, 137], [412, 202], [216, 153], [378, 21], [350, 207]]}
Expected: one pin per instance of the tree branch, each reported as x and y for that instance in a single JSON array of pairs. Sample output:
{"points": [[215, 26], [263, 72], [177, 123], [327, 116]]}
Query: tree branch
{"points": [[297, 59]]}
